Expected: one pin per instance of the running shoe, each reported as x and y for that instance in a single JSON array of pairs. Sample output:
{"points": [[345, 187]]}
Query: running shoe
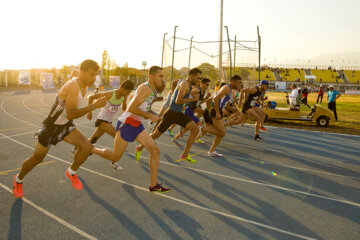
{"points": [[187, 158], [159, 188], [116, 166], [262, 128], [181, 131], [200, 141], [214, 154], [170, 133], [76, 183], [258, 138], [137, 153], [176, 142], [17, 188]]}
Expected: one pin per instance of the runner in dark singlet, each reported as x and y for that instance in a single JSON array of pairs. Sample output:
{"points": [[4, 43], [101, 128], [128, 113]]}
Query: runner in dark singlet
{"points": [[214, 118], [253, 98]]}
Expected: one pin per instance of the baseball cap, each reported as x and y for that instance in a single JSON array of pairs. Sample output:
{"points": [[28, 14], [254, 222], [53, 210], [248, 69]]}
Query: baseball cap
{"points": [[264, 82]]}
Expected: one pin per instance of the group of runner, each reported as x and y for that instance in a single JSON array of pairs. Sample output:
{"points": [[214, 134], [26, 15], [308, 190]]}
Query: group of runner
{"points": [[183, 107]]}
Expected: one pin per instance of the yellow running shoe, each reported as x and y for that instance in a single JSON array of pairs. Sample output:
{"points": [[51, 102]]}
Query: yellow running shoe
{"points": [[137, 153], [187, 158]]}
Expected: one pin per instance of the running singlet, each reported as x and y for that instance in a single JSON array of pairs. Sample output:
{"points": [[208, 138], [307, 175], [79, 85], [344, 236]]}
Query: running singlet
{"points": [[135, 120], [252, 98], [57, 114], [193, 105], [177, 107], [107, 113], [225, 99]]}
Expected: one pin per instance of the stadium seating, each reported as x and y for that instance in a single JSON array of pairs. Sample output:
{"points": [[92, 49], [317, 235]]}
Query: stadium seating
{"points": [[352, 76], [293, 75], [325, 76]]}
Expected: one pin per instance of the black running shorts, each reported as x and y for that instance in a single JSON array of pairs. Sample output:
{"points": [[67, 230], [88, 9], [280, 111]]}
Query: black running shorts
{"points": [[171, 117], [208, 115], [51, 134], [99, 121]]}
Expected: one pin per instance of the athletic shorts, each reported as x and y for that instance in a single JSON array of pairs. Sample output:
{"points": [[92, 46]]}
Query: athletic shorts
{"points": [[166, 104], [208, 115], [51, 134], [127, 132], [190, 113], [246, 107], [171, 117], [99, 121]]}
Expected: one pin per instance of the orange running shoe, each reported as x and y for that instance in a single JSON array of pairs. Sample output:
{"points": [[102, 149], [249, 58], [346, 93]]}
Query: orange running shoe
{"points": [[74, 180], [17, 189]]}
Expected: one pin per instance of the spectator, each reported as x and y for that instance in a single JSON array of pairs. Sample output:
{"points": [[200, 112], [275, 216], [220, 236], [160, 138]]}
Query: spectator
{"points": [[305, 94], [320, 94], [333, 95], [291, 99]]}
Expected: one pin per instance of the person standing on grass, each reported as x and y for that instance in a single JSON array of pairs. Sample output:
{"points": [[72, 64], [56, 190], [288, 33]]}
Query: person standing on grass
{"points": [[70, 103], [333, 95], [320, 94]]}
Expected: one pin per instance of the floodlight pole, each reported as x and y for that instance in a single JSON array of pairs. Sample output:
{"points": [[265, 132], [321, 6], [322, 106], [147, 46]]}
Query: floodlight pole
{"points": [[259, 40], [172, 64], [190, 53], [235, 54], [162, 55], [221, 39], [227, 32]]}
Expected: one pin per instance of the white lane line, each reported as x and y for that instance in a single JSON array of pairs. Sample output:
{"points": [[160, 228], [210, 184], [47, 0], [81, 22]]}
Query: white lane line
{"points": [[19, 134], [252, 182], [265, 162], [52, 216], [286, 166], [42, 101], [173, 198], [23, 102]]}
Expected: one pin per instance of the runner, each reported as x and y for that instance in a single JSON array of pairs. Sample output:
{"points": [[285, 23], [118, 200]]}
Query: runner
{"points": [[174, 114], [115, 99], [253, 97], [195, 108], [130, 128], [70, 103], [214, 117]]}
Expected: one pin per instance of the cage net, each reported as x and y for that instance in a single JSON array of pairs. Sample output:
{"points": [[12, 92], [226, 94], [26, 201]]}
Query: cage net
{"points": [[205, 56]]}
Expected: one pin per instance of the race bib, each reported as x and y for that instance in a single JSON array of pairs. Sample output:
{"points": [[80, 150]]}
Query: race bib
{"points": [[113, 108]]}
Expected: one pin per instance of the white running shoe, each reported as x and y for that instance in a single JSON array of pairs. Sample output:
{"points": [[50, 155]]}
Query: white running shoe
{"points": [[116, 166], [214, 154]]}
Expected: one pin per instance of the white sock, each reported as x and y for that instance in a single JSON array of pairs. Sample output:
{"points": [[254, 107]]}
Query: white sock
{"points": [[71, 172], [18, 180]]}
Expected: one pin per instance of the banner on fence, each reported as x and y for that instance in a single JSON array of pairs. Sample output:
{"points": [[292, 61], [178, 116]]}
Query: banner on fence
{"points": [[115, 81], [280, 85], [46, 80], [24, 78]]}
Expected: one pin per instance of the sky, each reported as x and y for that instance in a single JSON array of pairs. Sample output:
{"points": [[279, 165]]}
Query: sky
{"points": [[54, 33]]}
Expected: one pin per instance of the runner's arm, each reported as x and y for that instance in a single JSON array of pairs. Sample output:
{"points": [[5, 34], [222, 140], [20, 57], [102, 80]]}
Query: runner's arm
{"points": [[182, 92], [72, 98], [224, 90], [143, 93]]}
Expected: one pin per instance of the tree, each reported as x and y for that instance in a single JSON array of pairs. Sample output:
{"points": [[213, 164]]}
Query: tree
{"points": [[209, 71], [104, 59]]}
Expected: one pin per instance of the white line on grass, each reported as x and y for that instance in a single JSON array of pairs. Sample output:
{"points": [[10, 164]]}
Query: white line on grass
{"points": [[52, 216], [173, 198]]}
